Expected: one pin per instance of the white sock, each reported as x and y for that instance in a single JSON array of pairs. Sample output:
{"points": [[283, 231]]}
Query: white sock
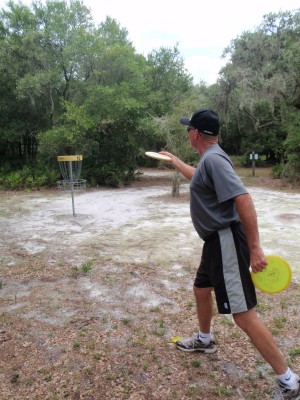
{"points": [[289, 378], [204, 337]]}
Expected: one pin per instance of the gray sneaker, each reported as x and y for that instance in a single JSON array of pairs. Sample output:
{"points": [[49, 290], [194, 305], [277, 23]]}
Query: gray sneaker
{"points": [[195, 344], [283, 392]]}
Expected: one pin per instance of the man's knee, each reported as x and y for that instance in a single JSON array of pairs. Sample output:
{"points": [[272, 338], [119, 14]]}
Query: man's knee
{"points": [[245, 319], [202, 294]]}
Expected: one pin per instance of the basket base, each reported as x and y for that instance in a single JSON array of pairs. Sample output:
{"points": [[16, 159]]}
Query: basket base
{"points": [[67, 186]]}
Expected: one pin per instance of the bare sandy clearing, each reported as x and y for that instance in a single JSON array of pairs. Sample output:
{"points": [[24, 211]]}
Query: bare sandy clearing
{"points": [[88, 304]]}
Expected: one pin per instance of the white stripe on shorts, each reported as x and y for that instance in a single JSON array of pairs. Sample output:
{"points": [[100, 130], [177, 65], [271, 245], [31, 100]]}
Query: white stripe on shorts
{"points": [[231, 272]]}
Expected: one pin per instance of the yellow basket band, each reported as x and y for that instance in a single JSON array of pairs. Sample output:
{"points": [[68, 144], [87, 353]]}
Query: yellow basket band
{"points": [[69, 158]]}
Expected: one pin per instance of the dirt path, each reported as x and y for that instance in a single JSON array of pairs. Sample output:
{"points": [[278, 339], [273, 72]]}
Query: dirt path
{"points": [[88, 305]]}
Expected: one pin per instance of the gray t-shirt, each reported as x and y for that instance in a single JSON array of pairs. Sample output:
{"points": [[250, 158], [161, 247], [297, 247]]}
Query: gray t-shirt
{"points": [[213, 188]]}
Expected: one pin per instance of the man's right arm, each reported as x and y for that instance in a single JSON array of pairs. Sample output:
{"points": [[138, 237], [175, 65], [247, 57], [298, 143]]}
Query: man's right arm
{"points": [[186, 170]]}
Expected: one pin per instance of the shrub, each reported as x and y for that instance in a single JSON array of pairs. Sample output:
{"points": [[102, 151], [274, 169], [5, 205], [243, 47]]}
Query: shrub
{"points": [[277, 171], [27, 178]]}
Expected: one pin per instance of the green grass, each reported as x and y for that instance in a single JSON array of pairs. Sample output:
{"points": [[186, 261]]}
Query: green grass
{"points": [[294, 353]]}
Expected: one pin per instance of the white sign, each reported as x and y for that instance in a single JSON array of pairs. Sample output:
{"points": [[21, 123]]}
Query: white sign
{"points": [[253, 156]]}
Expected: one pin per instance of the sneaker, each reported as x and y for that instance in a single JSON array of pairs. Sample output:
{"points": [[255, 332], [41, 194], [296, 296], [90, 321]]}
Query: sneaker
{"points": [[195, 344], [284, 392]]}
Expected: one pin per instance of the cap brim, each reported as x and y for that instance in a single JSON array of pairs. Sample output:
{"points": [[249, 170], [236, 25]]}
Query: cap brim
{"points": [[185, 121]]}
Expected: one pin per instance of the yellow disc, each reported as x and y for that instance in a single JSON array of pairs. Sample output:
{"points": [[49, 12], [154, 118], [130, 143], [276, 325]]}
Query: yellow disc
{"points": [[176, 339], [275, 278], [69, 158]]}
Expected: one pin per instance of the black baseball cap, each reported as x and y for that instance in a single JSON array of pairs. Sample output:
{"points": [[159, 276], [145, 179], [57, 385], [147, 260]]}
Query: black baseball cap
{"points": [[204, 120]]}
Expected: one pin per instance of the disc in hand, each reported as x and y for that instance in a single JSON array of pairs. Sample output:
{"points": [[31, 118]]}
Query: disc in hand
{"points": [[275, 278], [157, 156]]}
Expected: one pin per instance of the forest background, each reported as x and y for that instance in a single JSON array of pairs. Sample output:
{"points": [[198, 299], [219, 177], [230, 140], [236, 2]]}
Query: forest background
{"points": [[69, 86]]}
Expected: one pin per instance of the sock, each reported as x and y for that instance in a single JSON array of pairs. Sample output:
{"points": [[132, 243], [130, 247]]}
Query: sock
{"points": [[288, 378], [204, 337]]}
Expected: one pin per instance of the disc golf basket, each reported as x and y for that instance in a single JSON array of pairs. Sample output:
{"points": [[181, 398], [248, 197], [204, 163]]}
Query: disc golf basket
{"points": [[70, 169]]}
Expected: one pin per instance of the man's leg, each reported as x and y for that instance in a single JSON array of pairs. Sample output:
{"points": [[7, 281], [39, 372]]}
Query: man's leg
{"points": [[204, 303], [262, 339]]}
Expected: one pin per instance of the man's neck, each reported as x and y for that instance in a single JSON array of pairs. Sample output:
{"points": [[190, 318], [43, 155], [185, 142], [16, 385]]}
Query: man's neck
{"points": [[206, 144]]}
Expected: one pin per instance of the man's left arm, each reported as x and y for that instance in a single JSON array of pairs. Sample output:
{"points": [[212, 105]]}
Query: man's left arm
{"points": [[248, 217]]}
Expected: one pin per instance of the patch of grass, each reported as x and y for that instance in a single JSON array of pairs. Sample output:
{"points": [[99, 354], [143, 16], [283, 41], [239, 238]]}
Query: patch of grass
{"points": [[283, 304], [86, 267], [46, 374], [145, 365], [196, 363], [83, 269], [104, 319], [236, 334], [166, 370], [1, 284], [194, 390], [260, 306], [280, 322], [14, 377], [126, 321], [275, 332], [294, 352], [161, 324], [76, 345], [127, 387], [159, 332], [155, 309], [97, 356], [222, 391]]}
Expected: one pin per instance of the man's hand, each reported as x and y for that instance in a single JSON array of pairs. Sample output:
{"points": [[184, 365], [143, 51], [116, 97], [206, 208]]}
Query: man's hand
{"points": [[247, 214], [258, 260], [186, 170], [166, 153]]}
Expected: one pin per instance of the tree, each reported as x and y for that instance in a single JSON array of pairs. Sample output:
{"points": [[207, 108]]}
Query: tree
{"points": [[38, 44], [168, 80], [259, 86], [84, 84]]}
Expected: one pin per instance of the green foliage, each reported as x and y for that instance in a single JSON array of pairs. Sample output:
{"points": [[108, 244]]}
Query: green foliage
{"points": [[292, 145], [294, 353], [259, 96], [277, 171], [82, 269], [75, 88], [86, 267], [28, 178], [167, 78]]}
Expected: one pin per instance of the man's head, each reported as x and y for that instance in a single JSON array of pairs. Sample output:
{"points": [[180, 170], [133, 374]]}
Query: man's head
{"points": [[204, 120]]}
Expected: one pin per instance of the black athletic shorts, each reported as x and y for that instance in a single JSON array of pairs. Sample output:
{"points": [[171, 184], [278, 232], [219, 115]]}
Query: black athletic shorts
{"points": [[225, 266]]}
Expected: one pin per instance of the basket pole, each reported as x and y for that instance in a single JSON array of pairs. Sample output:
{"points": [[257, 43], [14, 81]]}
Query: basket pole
{"points": [[72, 187], [66, 169]]}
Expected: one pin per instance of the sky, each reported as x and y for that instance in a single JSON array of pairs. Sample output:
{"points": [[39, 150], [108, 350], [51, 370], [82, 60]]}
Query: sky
{"points": [[201, 29]]}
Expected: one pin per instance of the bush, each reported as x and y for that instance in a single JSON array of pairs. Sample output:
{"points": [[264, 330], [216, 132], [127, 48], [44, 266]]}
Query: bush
{"points": [[291, 169], [27, 178], [110, 175], [277, 171]]}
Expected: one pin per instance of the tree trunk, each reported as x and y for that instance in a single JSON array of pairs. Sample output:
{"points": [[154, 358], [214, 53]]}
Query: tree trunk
{"points": [[175, 184]]}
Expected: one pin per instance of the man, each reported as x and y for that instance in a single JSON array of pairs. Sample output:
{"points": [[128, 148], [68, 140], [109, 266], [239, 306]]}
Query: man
{"points": [[224, 216]]}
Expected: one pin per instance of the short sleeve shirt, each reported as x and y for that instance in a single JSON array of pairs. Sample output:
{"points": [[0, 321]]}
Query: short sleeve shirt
{"points": [[213, 188]]}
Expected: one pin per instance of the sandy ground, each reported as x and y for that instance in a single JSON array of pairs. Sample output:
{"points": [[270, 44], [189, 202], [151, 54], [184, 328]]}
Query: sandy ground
{"points": [[89, 304]]}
